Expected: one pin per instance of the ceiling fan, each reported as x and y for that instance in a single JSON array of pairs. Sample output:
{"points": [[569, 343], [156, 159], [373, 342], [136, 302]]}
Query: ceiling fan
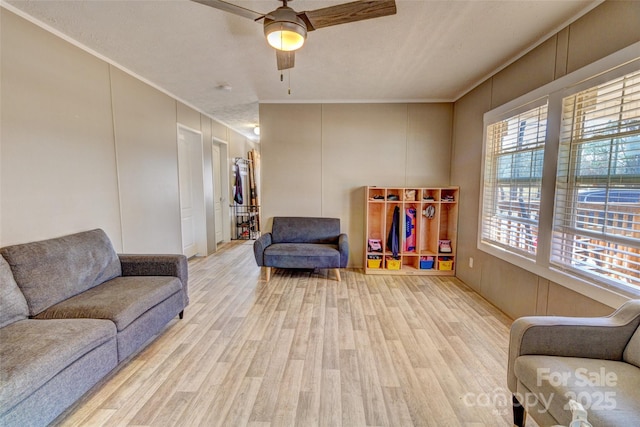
{"points": [[286, 29]]}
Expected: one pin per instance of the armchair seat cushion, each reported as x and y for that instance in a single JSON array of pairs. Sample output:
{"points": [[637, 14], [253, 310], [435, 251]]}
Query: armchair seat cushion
{"points": [[632, 351], [608, 389], [302, 255], [591, 360]]}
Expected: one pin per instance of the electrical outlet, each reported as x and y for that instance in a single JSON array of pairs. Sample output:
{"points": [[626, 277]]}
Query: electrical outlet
{"points": [[470, 262]]}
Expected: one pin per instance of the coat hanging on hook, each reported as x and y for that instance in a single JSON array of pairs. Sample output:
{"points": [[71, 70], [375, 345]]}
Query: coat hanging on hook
{"points": [[393, 239], [237, 194]]}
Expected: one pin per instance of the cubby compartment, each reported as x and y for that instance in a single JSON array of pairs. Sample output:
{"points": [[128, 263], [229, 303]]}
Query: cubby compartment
{"points": [[390, 208], [394, 194], [411, 212], [411, 195], [376, 217], [411, 262], [430, 194], [448, 195], [375, 194], [448, 225], [427, 230]]}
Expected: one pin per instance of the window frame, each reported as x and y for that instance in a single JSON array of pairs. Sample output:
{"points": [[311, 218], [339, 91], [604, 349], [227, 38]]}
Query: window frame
{"points": [[613, 66], [492, 182], [573, 222]]}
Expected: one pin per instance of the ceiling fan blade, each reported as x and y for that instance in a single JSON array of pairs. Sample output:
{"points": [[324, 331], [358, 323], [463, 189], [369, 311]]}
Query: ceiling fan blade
{"points": [[347, 12], [231, 8], [285, 59]]}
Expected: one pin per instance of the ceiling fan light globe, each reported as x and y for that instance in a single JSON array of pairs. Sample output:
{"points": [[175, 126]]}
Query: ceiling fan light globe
{"points": [[285, 35]]}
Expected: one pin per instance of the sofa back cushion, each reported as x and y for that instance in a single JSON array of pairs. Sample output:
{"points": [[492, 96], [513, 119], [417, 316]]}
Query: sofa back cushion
{"points": [[50, 271], [13, 306], [632, 351], [305, 230]]}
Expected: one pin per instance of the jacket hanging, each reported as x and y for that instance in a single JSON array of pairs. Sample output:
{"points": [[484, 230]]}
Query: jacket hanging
{"points": [[393, 240], [237, 196]]}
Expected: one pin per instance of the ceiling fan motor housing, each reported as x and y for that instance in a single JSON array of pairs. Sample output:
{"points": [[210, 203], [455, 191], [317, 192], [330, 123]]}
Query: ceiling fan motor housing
{"points": [[284, 29]]}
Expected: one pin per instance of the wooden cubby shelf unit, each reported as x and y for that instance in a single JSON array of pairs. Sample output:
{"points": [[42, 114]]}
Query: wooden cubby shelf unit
{"points": [[432, 214]]}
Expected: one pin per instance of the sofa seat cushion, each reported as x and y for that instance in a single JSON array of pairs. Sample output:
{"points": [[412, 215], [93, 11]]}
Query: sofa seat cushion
{"points": [[609, 390], [13, 306], [121, 300], [32, 352], [302, 255], [50, 271]]}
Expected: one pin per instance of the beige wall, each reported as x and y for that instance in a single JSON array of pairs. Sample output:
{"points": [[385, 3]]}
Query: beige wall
{"points": [[607, 29], [316, 158], [85, 145], [145, 139], [58, 157]]}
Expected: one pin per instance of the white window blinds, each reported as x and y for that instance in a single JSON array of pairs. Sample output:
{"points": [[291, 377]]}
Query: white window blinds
{"points": [[514, 151], [596, 228]]}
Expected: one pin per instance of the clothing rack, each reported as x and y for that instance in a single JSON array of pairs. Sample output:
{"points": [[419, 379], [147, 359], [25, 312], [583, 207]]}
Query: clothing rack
{"points": [[243, 165]]}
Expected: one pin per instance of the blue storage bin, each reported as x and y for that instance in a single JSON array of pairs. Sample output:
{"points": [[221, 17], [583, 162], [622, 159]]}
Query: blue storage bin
{"points": [[426, 264]]}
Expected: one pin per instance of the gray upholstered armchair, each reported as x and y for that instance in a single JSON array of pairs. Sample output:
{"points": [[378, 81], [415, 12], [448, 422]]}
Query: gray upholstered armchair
{"points": [[303, 242], [594, 361]]}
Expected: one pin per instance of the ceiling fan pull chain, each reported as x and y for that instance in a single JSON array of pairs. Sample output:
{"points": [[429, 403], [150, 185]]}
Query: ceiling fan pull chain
{"points": [[289, 73]]}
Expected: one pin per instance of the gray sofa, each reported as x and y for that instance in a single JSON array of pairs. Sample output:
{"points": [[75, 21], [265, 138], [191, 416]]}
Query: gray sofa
{"points": [[71, 310], [303, 242], [594, 361]]}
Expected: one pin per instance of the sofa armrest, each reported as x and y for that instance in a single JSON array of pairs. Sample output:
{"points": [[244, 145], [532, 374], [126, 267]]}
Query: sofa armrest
{"points": [[157, 265], [589, 337], [259, 246], [343, 248]]}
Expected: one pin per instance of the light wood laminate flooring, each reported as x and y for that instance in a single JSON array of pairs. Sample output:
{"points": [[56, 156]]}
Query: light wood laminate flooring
{"points": [[306, 350]]}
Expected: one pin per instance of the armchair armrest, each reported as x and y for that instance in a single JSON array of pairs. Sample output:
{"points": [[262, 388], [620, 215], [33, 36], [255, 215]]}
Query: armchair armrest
{"points": [[259, 246], [589, 337], [157, 265], [343, 248]]}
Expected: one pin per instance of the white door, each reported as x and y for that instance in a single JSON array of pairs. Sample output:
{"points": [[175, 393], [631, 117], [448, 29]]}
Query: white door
{"points": [[191, 195], [186, 198], [218, 200]]}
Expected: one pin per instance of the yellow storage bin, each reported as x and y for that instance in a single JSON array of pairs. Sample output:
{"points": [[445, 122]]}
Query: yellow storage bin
{"points": [[445, 264], [393, 264], [374, 263]]}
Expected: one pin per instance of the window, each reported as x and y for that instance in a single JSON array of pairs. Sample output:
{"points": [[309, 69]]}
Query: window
{"points": [[596, 229], [561, 180], [514, 155]]}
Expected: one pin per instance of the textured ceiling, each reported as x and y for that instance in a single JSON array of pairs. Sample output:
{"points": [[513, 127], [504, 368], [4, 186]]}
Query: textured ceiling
{"points": [[428, 51]]}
